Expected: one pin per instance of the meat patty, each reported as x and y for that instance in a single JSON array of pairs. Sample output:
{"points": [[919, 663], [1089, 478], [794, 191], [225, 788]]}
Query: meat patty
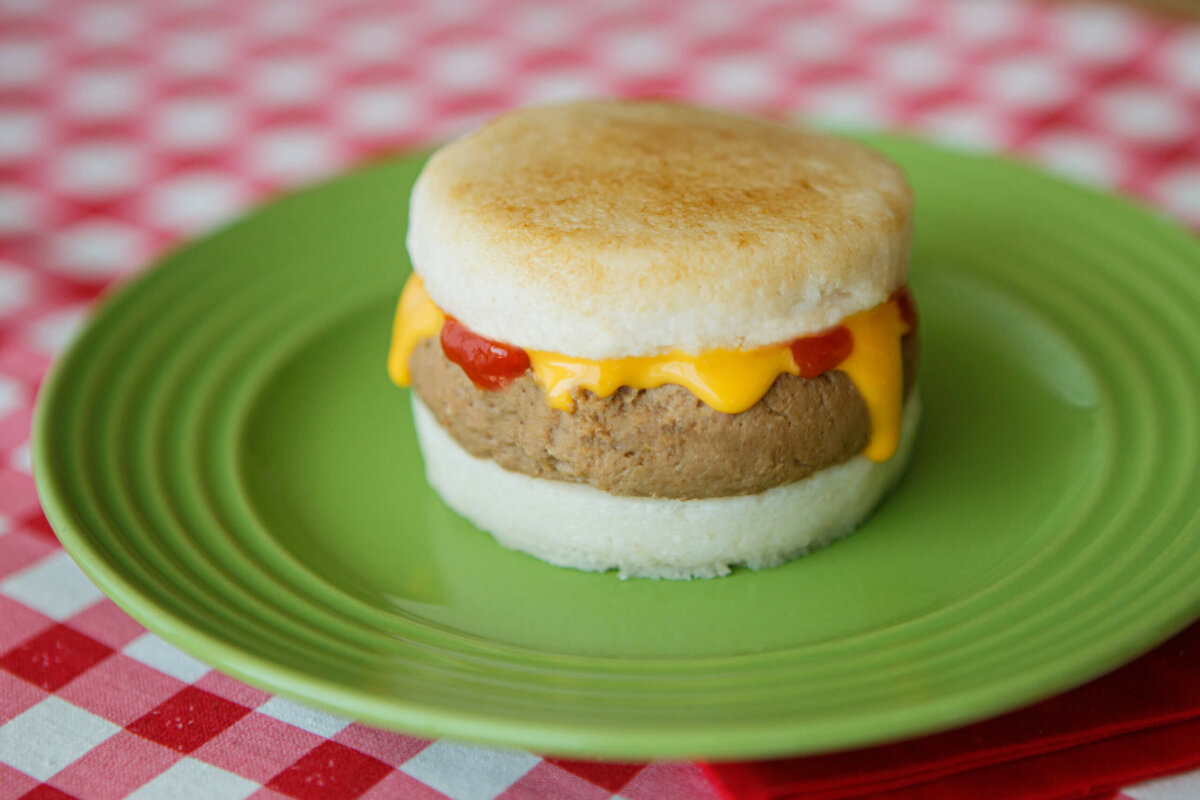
{"points": [[661, 442]]}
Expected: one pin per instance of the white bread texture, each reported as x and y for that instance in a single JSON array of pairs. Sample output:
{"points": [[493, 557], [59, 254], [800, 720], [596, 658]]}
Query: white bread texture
{"points": [[604, 229], [577, 525]]}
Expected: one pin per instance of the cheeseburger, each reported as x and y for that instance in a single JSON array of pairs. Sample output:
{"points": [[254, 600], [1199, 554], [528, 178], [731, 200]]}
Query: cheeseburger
{"points": [[659, 339]]}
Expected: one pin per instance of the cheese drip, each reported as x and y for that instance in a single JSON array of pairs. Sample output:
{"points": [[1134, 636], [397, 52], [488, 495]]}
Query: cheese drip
{"points": [[417, 318], [877, 368], [727, 380]]}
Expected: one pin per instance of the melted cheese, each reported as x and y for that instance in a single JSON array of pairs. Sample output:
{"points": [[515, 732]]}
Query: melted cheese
{"points": [[877, 369], [727, 380], [417, 318]]}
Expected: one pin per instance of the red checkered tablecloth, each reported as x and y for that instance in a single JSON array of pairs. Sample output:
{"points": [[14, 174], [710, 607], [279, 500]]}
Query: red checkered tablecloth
{"points": [[128, 126]]}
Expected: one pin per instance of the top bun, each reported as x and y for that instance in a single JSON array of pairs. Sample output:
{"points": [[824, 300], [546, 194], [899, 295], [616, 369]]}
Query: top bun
{"points": [[605, 229]]}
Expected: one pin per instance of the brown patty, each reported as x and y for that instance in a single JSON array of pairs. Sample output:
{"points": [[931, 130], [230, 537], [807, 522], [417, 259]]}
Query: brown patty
{"points": [[660, 442]]}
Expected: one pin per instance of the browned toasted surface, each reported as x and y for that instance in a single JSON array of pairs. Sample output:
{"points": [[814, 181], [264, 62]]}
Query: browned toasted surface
{"points": [[606, 172], [660, 442]]}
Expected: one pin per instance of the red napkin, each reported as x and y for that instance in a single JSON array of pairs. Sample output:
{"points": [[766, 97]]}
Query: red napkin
{"points": [[1136, 723]]}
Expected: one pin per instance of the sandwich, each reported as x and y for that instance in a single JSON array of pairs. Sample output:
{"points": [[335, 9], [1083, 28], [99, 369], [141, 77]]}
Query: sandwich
{"points": [[659, 339]]}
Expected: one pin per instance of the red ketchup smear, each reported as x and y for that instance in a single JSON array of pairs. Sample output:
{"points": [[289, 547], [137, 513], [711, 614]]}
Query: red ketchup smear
{"points": [[489, 365], [908, 307], [822, 352]]}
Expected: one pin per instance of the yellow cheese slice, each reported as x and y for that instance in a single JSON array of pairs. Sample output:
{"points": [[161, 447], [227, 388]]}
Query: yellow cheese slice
{"points": [[730, 381]]}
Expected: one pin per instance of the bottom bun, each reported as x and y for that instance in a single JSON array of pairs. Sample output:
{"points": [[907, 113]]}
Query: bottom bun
{"points": [[580, 526]]}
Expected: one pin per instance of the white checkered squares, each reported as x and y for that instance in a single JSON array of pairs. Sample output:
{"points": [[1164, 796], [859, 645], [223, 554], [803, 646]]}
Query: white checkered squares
{"points": [[195, 123], [1176, 787], [470, 66], [25, 8], [101, 24], [189, 779], [813, 38], [1144, 113], [383, 110], [739, 79], [1180, 61], [914, 65], [21, 459], [154, 652], [982, 21], [639, 51], [1180, 192], [12, 393], [282, 17], [104, 93], [98, 168], [284, 82], [198, 51], [1081, 157], [24, 62], [296, 153], [709, 17], [371, 40], [970, 127], [854, 103], [20, 211], [56, 330], [883, 10], [1029, 81], [560, 87], [49, 736], [53, 586], [98, 247], [193, 201], [545, 24], [21, 134], [1096, 33], [309, 719], [466, 772]]}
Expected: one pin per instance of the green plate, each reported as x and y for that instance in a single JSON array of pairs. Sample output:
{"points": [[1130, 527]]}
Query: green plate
{"points": [[222, 453]]}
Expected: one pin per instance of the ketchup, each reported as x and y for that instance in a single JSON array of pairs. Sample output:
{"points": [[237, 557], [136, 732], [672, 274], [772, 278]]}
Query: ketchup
{"points": [[908, 307], [489, 364], [822, 352]]}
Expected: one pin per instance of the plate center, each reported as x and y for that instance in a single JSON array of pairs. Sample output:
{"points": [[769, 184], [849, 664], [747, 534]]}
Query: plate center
{"points": [[1009, 435]]}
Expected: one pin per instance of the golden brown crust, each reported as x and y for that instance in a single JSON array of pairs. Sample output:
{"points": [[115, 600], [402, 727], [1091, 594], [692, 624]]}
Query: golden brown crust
{"points": [[605, 229], [660, 442]]}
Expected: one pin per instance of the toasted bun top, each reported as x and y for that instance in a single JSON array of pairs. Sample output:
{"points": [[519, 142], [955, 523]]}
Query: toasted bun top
{"points": [[604, 229]]}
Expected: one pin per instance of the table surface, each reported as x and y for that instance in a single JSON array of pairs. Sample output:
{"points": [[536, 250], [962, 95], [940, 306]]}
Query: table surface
{"points": [[126, 127]]}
